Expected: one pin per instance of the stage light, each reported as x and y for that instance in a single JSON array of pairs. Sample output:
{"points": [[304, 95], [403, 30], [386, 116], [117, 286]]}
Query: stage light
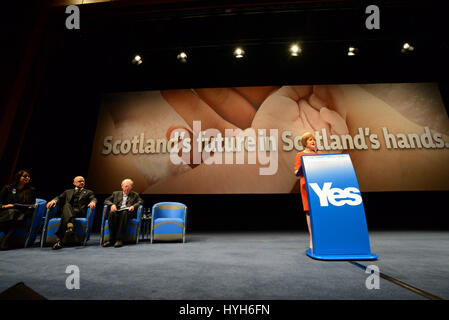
{"points": [[352, 51], [295, 49], [239, 53], [406, 47], [137, 59], [182, 57]]}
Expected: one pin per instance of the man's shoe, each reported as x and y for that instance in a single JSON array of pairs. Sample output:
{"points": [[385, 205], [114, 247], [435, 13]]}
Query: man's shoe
{"points": [[58, 245], [118, 244], [107, 244]]}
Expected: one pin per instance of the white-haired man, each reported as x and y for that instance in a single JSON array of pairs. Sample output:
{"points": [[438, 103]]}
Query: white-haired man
{"points": [[123, 207]]}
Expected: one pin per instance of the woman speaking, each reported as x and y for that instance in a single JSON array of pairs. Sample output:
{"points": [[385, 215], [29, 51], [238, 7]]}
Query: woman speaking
{"points": [[308, 141]]}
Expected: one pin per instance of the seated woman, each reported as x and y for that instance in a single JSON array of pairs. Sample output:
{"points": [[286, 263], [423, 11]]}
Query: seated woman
{"points": [[12, 216]]}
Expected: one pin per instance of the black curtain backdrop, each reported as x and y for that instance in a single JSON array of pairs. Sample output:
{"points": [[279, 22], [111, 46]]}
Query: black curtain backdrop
{"points": [[84, 64], [26, 45]]}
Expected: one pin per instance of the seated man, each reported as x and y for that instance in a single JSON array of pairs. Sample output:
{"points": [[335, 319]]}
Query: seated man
{"points": [[73, 203], [123, 207]]}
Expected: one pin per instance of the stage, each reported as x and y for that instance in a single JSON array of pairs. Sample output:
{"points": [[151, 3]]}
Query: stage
{"points": [[234, 266]]}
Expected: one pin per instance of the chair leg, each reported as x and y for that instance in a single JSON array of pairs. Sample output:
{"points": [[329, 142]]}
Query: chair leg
{"points": [[41, 228], [43, 237], [86, 232], [102, 236]]}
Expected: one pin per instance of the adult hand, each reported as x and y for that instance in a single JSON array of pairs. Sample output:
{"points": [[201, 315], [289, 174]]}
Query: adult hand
{"points": [[299, 110], [131, 209], [51, 204], [217, 108], [113, 208], [7, 206], [91, 205], [287, 108]]}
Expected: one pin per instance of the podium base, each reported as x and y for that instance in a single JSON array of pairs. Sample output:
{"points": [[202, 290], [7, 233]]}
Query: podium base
{"points": [[342, 256]]}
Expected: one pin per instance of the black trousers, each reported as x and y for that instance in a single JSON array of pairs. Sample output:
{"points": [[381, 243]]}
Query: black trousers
{"points": [[68, 216], [10, 220], [118, 222]]}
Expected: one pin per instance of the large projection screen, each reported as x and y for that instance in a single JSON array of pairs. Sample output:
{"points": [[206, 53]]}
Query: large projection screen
{"points": [[245, 139]]}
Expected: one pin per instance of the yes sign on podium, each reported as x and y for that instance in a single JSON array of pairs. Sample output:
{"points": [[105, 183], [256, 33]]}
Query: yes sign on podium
{"points": [[337, 216]]}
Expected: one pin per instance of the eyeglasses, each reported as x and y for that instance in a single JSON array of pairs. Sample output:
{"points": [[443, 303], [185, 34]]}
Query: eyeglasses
{"points": [[26, 176]]}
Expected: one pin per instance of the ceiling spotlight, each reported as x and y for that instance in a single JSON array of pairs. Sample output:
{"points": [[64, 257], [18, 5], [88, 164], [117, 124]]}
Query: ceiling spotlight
{"points": [[182, 57], [352, 51], [295, 49], [406, 47], [239, 53], [137, 60]]}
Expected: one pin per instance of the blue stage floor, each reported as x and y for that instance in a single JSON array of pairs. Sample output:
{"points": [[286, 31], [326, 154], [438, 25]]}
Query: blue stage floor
{"points": [[233, 266]]}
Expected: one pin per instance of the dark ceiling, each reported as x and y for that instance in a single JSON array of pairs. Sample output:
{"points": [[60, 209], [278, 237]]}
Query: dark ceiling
{"points": [[110, 35]]}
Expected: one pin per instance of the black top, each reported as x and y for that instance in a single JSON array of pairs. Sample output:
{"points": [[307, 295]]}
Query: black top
{"points": [[12, 195]]}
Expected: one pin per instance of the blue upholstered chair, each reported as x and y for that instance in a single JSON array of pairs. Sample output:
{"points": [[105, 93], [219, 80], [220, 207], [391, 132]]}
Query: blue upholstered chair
{"points": [[132, 231], [168, 221], [26, 235], [82, 226]]}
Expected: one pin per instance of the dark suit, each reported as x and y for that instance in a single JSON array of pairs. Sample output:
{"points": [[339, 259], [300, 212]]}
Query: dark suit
{"points": [[72, 206], [11, 219], [118, 221]]}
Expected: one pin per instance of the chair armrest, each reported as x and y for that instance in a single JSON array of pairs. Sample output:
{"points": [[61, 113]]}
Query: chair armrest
{"points": [[152, 222], [139, 221], [90, 215], [106, 209], [49, 214], [139, 213], [103, 221]]}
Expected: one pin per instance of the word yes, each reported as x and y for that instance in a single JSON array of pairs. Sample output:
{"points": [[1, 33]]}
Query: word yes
{"points": [[332, 195]]}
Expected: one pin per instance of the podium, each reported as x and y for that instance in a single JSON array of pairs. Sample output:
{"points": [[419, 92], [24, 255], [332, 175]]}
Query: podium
{"points": [[337, 215]]}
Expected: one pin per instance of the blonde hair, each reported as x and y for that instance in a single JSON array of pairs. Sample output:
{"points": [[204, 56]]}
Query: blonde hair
{"points": [[306, 136]]}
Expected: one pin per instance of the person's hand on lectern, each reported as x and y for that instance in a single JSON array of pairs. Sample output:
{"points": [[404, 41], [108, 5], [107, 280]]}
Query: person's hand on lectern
{"points": [[113, 208]]}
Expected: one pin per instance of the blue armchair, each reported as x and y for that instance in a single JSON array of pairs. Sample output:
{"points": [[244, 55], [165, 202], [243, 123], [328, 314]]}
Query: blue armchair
{"points": [[132, 231], [82, 226], [27, 233], [168, 221]]}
